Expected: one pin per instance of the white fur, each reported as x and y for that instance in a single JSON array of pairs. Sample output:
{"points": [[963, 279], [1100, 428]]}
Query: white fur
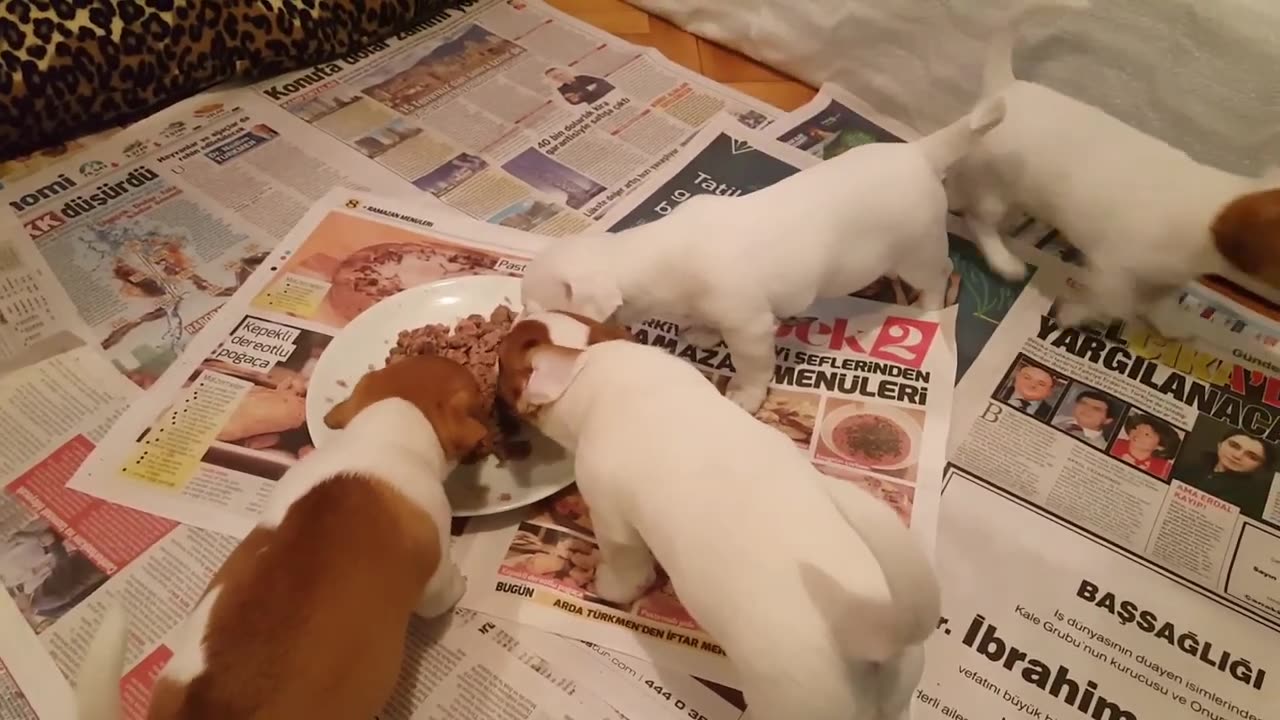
{"points": [[821, 604], [389, 440], [188, 659], [97, 690], [1138, 208], [729, 267]]}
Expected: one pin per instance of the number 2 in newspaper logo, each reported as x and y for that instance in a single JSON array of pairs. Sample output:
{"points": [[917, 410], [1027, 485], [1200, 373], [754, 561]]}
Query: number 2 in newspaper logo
{"points": [[904, 340]]}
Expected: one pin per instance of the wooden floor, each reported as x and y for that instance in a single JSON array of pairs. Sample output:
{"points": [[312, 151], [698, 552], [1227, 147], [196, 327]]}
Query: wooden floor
{"points": [[707, 58]]}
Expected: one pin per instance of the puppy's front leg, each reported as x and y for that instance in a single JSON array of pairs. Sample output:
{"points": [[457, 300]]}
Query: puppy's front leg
{"points": [[1165, 316], [752, 347], [625, 571], [701, 336], [443, 590]]}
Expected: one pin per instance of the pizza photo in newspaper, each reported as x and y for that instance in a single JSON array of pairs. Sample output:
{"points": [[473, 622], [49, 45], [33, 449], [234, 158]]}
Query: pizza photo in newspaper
{"points": [[368, 275], [463, 319], [348, 264]]}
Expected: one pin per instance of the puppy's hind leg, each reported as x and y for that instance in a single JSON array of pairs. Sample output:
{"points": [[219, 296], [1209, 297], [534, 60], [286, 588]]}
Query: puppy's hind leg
{"points": [[984, 218], [751, 343], [626, 567], [443, 591], [931, 277]]}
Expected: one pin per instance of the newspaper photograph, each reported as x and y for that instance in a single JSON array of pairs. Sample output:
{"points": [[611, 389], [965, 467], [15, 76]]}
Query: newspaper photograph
{"points": [[149, 232], [835, 121], [862, 389], [511, 112], [207, 442]]}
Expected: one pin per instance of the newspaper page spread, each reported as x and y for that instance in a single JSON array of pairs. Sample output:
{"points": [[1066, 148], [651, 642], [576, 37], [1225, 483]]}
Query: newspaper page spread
{"points": [[511, 112], [1134, 479], [150, 231], [208, 440], [851, 361], [835, 122]]}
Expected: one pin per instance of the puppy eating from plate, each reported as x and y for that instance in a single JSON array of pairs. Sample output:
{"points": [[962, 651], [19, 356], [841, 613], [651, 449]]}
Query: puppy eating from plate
{"points": [[307, 617], [825, 614]]}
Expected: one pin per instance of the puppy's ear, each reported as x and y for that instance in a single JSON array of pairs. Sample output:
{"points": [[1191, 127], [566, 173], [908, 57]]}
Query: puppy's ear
{"points": [[461, 428], [552, 368], [341, 414], [1247, 233]]}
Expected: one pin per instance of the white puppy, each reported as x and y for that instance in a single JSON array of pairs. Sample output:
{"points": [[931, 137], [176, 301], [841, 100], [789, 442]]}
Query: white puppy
{"points": [[730, 267], [307, 617], [817, 592], [1147, 217]]}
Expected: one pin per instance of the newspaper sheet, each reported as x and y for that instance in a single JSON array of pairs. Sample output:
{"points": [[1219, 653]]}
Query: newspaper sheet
{"points": [[207, 442], [835, 122], [849, 358], [151, 230], [633, 688], [512, 112], [1134, 478]]}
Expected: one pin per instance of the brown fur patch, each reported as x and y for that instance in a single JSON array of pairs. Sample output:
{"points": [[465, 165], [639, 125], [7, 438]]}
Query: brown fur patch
{"points": [[445, 392], [1247, 233], [312, 615], [514, 366]]}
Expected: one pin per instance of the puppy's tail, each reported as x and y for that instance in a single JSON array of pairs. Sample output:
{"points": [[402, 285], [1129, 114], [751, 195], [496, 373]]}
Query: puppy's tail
{"points": [[942, 148], [881, 633], [997, 72], [97, 691]]}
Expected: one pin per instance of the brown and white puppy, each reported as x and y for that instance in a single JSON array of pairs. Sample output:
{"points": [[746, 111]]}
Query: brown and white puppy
{"points": [[306, 619], [823, 619]]}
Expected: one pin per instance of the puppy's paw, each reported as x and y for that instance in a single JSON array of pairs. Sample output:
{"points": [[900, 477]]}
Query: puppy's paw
{"points": [[1008, 267], [1171, 323], [749, 397], [1073, 314], [702, 337], [623, 584], [441, 600]]}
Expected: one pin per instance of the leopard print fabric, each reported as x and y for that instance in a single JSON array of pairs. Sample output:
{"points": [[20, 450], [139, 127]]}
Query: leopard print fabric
{"points": [[69, 67]]}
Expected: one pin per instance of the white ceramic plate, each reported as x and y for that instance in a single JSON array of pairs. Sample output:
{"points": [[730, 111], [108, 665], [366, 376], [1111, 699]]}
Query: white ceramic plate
{"points": [[479, 489]]}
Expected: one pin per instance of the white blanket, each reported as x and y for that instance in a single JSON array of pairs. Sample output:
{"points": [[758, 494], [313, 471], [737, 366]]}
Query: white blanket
{"points": [[1202, 74]]}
